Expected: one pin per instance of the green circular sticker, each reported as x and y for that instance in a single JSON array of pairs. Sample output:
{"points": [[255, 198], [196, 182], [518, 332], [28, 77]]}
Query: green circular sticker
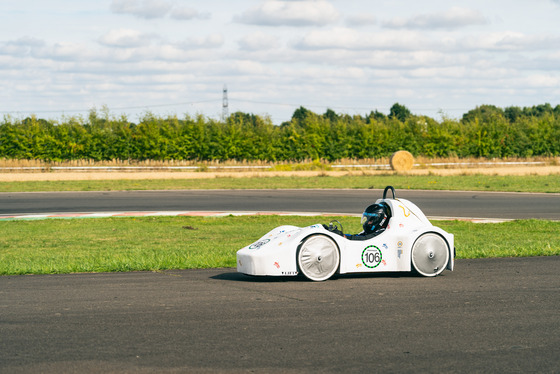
{"points": [[371, 256]]}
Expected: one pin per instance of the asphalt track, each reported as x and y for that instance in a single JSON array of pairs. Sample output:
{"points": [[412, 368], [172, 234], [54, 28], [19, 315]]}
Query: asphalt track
{"points": [[488, 316], [491, 315], [433, 203]]}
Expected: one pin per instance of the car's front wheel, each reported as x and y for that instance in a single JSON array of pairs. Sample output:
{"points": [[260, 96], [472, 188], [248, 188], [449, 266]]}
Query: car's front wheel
{"points": [[430, 254], [318, 257]]}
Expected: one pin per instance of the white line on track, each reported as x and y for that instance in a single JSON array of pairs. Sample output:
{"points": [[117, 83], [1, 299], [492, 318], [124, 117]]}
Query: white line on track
{"points": [[212, 214]]}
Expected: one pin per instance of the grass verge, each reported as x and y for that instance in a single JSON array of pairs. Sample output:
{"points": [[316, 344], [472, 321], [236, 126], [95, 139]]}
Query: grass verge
{"points": [[511, 183], [158, 243]]}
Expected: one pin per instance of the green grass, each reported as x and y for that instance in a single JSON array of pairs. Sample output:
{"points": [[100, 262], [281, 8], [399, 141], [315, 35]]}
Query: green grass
{"points": [[531, 183], [159, 243]]}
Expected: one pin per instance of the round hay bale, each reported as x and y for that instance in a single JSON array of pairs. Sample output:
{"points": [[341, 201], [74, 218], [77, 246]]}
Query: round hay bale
{"points": [[401, 161]]}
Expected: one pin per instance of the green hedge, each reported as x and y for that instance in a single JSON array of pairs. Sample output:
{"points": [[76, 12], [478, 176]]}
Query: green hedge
{"points": [[486, 131]]}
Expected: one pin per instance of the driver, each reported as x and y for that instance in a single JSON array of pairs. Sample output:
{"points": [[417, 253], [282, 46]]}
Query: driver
{"points": [[374, 221]]}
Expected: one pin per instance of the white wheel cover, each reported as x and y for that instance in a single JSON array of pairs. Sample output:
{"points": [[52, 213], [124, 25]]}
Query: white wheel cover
{"points": [[318, 258], [430, 255]]}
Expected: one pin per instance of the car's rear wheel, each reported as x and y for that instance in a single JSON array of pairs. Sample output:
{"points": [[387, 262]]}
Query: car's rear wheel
{"points": [[430, 254], [318, 257]]}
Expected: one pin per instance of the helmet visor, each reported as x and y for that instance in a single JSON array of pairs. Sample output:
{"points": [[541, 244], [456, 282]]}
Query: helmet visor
{"points": [[370, 217]]}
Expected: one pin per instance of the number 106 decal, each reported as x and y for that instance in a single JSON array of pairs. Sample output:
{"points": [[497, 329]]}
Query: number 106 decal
{"points": [[371, 256]]}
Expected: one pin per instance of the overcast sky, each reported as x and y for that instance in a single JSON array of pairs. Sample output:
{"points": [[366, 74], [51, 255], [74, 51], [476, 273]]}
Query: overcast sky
{"points": [[64, 57]]}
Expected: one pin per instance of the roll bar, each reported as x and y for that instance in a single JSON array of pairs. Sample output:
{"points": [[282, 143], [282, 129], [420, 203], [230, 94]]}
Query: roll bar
{"points": [[387, 189]]}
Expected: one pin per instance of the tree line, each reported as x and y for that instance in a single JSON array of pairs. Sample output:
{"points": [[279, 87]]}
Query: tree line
{"points": [[486, 131]]}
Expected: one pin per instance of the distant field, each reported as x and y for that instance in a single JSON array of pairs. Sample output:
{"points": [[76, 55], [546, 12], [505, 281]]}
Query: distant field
{"points": [[517, 175], [470, 182], [160, 243]]}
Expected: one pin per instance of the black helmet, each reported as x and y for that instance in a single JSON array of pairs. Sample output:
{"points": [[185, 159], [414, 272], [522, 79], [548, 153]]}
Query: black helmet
{"points": [[374, 217]]}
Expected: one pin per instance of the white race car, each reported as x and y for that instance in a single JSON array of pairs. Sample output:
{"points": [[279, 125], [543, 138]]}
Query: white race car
{"points": [[408, 242]]}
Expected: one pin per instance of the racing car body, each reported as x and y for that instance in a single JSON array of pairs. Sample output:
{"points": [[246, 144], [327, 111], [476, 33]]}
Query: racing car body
{"points": [[410, 242]]}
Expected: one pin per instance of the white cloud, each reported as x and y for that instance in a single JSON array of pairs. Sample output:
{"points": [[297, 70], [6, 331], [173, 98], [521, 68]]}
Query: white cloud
{"points": [[205, 42], [543, 80], [258, 41], [453, 18], [66, 51], [510, 41], [350, 39], [142, 8], [23, 46], [152, 9], [361, 20], [27, 41], [125, 38], [290, 13], [246, 67], [185, 13]]}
